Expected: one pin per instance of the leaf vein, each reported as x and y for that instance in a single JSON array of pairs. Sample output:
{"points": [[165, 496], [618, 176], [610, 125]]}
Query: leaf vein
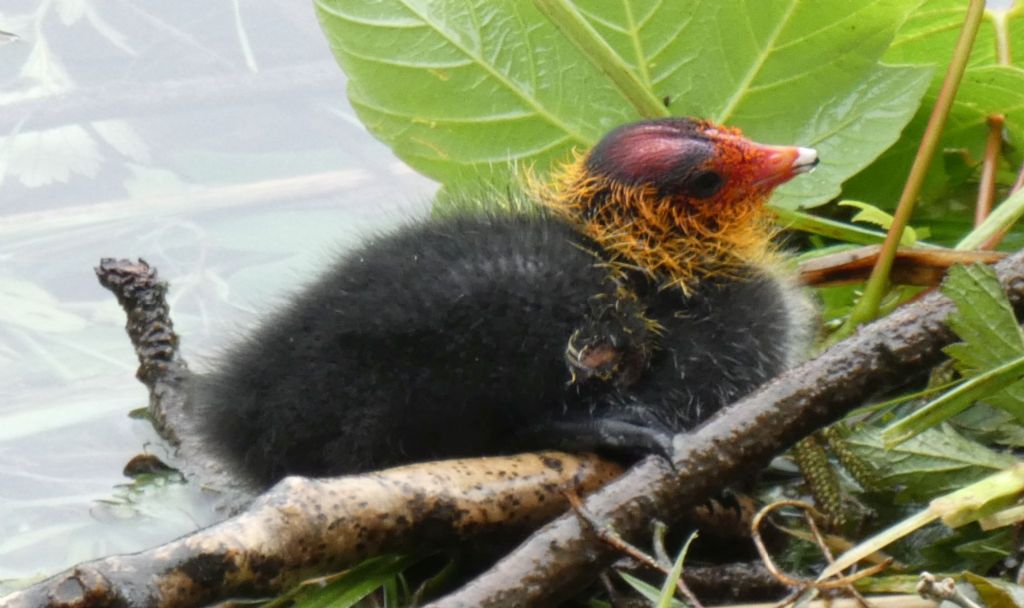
{"points": [[503, 80], [756, 66]]}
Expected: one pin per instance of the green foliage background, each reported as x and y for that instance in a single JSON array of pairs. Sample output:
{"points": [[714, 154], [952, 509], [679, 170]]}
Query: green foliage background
{"points": [[461, 88]]}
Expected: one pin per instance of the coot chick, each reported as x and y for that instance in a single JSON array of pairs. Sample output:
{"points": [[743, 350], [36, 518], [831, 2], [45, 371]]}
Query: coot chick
{"points": [[639, 297]]}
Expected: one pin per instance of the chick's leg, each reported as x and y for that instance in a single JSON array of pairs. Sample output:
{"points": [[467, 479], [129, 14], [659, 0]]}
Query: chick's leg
{"points": [[602, 434]]}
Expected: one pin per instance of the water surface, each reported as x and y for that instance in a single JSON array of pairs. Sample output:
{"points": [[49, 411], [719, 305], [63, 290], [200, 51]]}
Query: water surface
{"points": [[212, 139]]}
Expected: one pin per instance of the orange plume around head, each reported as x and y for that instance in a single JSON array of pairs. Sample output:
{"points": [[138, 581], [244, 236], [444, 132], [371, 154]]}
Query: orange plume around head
{"points": [[677, 198]]}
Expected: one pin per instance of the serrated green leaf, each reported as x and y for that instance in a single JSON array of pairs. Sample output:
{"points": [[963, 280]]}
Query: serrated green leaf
{"points": [[991, 356], [937, 548], [988, 327], [873, 215], [458, 88], [936, 462], [984, 320], [965, 548], [986, 424], [962, 506]]}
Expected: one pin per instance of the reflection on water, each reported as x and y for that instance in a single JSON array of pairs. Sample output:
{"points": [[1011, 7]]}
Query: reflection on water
{"points": [[211, 139]]}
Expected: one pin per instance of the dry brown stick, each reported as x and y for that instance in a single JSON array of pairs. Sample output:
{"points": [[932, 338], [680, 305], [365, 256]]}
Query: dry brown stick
{"points": [[560, 559], [619, 544], [161, 368], [790, 581], [912, 266], [733, 582], [305, 526]]}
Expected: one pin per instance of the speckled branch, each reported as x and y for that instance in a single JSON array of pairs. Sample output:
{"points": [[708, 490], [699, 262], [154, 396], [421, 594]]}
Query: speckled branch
{"points": [[561, 558], [161, 368], [303, 527]]}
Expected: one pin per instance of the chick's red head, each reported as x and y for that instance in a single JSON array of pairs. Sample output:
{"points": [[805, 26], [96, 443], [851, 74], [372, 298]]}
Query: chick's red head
{"points": [[678, 196], [695, 162]]}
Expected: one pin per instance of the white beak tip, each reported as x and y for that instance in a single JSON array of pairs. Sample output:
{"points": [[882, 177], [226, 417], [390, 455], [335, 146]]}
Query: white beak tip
{"points": [[806, 160]]}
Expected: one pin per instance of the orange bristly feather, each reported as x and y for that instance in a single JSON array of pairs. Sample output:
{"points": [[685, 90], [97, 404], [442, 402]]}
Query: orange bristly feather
{"points": [[677, 241]]}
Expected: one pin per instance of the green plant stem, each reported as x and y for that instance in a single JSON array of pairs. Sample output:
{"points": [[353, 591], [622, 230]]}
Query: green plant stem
{"points": [[992, 149], [798, 220], [989, 168], [564, 15], [1002, 31], [979, 499], [954, 402], [1000, 220], [866, 308]]}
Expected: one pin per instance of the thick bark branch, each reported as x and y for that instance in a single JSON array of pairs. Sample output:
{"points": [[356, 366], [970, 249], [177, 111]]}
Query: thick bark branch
{"points": [[561, 558], [303, 527]]}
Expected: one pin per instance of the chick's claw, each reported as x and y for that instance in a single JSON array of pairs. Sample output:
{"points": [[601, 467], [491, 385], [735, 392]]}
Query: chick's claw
{"points": [[602, 434]]}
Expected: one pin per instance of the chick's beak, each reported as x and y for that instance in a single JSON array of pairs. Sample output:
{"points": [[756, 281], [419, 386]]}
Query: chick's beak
{"points": [[774, 165]]}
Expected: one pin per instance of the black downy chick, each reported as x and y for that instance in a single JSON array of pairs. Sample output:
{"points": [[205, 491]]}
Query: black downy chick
{"points": [[641, 300]]}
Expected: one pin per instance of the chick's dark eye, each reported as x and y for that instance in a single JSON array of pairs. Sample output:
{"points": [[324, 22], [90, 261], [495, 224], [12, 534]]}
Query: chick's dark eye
{"points": [[705, 184]]}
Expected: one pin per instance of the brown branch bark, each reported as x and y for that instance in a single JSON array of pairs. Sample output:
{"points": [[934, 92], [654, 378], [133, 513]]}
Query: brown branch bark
{"points": [[161, 368], [912, 266], [561, 558], [303, 526]]}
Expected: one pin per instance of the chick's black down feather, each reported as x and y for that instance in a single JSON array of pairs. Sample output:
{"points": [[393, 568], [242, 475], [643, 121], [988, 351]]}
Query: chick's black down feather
{"points": [[449, 338]]}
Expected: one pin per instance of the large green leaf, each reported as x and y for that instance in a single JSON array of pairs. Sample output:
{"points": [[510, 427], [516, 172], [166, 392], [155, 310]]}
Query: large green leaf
{"points": [[984, 320], [460, 87], [929, 34], [754, 63], [851, 129], [936, 462], [927, 38], [990, 335], [985, 90], [782, 70]]}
